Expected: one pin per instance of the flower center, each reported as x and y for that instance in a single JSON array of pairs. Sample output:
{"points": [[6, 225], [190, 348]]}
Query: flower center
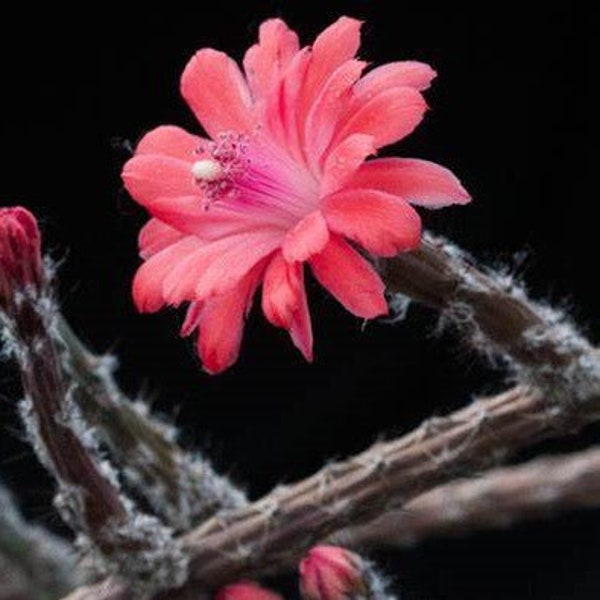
{"points": [[253, 174], [215, 174]]}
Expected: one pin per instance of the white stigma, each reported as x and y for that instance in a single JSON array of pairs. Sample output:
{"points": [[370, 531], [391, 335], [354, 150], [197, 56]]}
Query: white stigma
{"points": [[207, 170]]}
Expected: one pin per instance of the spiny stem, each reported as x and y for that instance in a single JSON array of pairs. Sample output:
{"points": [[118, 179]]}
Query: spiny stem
{"points": [[272, 534], [121, 539], [182, 488], [498, 498], [96, 502], [496, 317]]}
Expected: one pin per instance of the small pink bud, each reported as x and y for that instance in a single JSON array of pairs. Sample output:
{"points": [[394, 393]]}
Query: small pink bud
{"points": [[246, 590], [331, 573], [20, 254]]}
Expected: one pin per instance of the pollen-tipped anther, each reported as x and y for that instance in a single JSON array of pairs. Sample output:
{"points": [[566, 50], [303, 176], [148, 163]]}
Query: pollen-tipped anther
{"points": [[207, 170]]}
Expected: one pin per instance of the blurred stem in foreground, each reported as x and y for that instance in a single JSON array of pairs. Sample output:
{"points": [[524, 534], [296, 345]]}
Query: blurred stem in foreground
{"points": [[35, 564], [182, 488]]}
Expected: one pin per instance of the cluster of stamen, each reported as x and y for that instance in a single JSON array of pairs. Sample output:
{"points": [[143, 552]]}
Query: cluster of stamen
{"points": [[223, 161]]}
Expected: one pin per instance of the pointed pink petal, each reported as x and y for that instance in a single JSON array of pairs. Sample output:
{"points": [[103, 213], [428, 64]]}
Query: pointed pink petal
{"points": [[187, 214], [383, 224], [343, 161], [179, 284], [265, 61], [389, 116], [148, 281], [216, 91], [165, 186], [308, 237], [217, 266], [221, 323], [192, 319], [243, 252], [418, 181], [330, 104], [284, 302], [281, 286], [350, 279], [301, 328], [280, 107], [407, 73], [333, 47], [170, 141], [149, 176], [156, 236]]}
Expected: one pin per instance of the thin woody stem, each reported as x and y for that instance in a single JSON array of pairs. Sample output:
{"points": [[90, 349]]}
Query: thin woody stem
{"points": [[498, 498], [61, 449], [27, 312], [272, 534], [496, 316], [120, 539]]}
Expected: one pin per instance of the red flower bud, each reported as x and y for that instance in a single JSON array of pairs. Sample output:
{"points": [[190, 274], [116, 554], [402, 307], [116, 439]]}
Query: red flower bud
{"points": [[20, 254], [331, 573], [246, 590]]}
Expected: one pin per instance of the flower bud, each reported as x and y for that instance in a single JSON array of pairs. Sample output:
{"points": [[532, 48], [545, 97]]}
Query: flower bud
{"points": [[246, 590], [332, 573], [20, 254]]}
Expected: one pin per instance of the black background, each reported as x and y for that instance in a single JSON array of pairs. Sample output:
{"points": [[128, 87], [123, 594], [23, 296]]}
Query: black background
{"points": [[510, 114]]}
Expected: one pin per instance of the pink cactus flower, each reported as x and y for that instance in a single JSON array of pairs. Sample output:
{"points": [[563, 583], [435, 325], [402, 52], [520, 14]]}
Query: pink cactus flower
{"points": [[281, 181], [246, 590], [332, 573]]}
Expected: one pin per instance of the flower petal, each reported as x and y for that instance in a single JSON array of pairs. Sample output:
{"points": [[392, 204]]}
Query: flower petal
{"points": [[216, 91], [301, 328], [389, 116], [231, 263], [156, 236], [383, 224], [221, 323], [308, 237], [280, 290], [281, 105], [333, 47], [350, 279], [264, 62], [343, 161], [214, 267], [329, 106], [148, 177], [418, 181], [148, 281], [179, 285], [165, 186], [408, 73], [170, 141], [192, 319], [186, 215], [284, 302]]}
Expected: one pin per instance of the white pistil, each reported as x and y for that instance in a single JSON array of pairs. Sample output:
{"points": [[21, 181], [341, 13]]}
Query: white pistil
{"points": [[207, 170]]}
